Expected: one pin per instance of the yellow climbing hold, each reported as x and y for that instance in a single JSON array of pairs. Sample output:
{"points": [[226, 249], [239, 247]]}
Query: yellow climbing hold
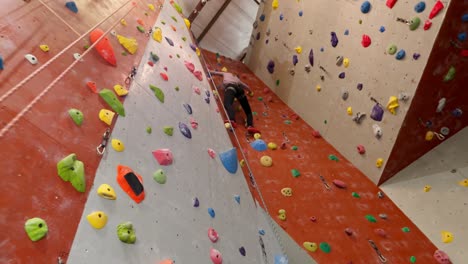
{"points": [[117, 145], [257, 135], [379, 163], [275, 4], [120, 90], [131, 45], [447, 237], [429, 135], [272, 146], [157, 34], [197, 51], [298, 49], [346, 62], [282, 214], [427, 188], [187, 23], [286, 192], [123, 22], [392, 104], [151, 7], [266, 161], [242, 162], [44, 48], [224, 69], [106, 192], [310, 246], [97, 219], [106, 116], [318, 88], [349, 110], [463, 183], [227, 125]]}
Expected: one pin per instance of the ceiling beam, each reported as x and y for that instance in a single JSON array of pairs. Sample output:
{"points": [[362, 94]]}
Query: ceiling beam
{"points": [[213, 20]]}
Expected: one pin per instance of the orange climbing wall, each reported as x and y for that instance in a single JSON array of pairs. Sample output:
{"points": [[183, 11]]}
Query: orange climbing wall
{"points": [[335, 209], [46, 134]]}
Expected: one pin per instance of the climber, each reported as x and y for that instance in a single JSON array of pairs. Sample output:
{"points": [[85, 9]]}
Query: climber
{"points": [[234, 88]]}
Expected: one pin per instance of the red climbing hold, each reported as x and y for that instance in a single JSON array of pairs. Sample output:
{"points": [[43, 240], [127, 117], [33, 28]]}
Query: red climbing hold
{"points": [[339, 184], [163, 156], [266, 90], [391, 3], [104, 46], [464, 53], [361, 150], [366, 41], [164, 76], [92, 86], [213, 235], [427, 24], [150, 63], [316, 134], [436, 9]]}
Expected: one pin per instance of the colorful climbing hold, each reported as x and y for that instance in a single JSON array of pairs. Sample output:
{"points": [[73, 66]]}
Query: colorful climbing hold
{"points": [[414, 23], [259, 145], [427, 188], [334, 39], [447, 237], [117, 145], [126, 233], [106, 191], [164, 76], [463, 183], [392, 104], [31, 58], [36, 228], [163, 157], [333, 157], [311, 57], [310, 246], [237, 198], [295, 173], [229, 160], [215, 256], [391, 49], [361, 150], [405, 229], [185, 130], [325, 247], [382, 29], [159, 176], [157, 92], [441, 257], [211, 212], [371, 218], [130, 44], [400, 54], [103, 47], [111, 99], [120, 90], [274, 4], [266, 161], [195, 202], [365, 7], [71, 5], [97, 219], [1, 63], [157, 34], [76, 115], [213, 235], [70, 169], [436, 9], [188, 108], [342, 75], [282, 214], [420, 7], [366, 41], [169, 41], [450, 74], [44, 48], [106, 116], [286, 192], [131, 183], [339, 184]]}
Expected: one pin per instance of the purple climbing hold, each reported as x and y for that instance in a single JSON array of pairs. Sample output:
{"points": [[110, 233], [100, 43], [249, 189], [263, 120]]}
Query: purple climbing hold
{"points": [[281, 16], [193, 47], [242, 251], [295, 60], [188, 108], [72, 6], [266, 41], [334, 39], [271, 66], [207, 100], [359, 86], [457, 112], [342, 75], [196, 202], [301, 13], [311, 57], [377, 112], [185, 130], [416, 56], [169, 41], [258, 36]]}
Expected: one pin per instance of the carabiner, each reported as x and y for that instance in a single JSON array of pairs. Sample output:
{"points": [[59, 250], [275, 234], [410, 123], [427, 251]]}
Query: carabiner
{"points": [[439, 136], [131, 75], [105, 138]]}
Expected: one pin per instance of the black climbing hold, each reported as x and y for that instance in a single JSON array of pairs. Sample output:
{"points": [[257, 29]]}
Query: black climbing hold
{"points": [[311, 57], [196, 202], [188, 108], [342, 75], [185, 130], [359, 86], [134, 183]]}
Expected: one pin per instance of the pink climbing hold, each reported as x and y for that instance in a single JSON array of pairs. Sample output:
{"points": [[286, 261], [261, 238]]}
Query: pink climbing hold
{"points": [[211, 153], [164, 76], [361, 150], [269, 98], [189, 66], [266, 90], [442, 257], [215, 256], [198, 75], [380, 232], [213, 235], [193, 123], [196, 90], [316, 134], [163, 156], [366, 41], [339, 184]]}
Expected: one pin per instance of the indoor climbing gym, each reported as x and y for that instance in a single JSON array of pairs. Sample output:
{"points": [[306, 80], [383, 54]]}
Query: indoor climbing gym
{"points": [[234, 131]]}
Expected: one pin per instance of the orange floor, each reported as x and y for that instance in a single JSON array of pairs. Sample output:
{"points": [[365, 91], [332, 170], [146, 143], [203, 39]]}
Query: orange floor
{"points": [[335, 209], [46, 134]]}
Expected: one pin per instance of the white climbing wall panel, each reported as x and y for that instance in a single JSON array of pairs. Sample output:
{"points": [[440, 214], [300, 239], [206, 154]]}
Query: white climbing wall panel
{"points": [[167, 224], [382, 75]]}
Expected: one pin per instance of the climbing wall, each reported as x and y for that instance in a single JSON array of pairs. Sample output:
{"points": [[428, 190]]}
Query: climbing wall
{"points": [[168, 107], [360, 57], [324, 203]]}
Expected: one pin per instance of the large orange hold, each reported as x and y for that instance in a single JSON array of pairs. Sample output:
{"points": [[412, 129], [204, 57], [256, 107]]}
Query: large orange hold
{"points": [[131, 183], [104, 46]]}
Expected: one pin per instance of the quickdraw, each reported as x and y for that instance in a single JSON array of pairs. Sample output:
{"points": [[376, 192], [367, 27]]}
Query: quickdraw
{"points": [[374, 246], [325, 182], [105, 138], [131, 75]]}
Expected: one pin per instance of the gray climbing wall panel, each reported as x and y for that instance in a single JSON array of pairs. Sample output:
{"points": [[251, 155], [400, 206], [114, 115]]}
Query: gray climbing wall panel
{"points": [[166, 222]]}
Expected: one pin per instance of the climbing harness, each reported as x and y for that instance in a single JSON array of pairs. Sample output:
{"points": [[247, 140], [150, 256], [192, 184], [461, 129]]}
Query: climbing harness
{"points": [[105, 138], [131, 75], [374, 246], [325, 182]]}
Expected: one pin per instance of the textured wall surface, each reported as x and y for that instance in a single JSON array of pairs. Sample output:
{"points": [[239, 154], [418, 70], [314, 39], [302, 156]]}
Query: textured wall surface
{"points": [[381, 74]]}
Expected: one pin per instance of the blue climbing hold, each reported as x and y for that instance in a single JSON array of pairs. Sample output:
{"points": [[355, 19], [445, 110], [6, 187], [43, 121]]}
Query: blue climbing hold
{"points": [[419, 7], [365, 7], [281, 16], [301, 13], [1, 63], [281, 259], [462, 36], [457, 112], [259, 145], [400, 54], [322, 49], [261, 232], [382, 29], [169, 41], [188, 108], [72, 6], [465, 18], [262, 17], [346, 32], [237, 198], [295, 60], [211, 212], [185, 130], [229, 160]]}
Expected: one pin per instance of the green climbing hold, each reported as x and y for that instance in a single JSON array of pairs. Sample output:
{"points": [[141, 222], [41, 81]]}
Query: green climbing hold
{"points": [[154, 57], [287, 122], [163, 22], [450, 74], [333, 157], [414, 23], [325, 247], [412, 259], [112, 100], [159, 176], [294, 148], [371, 218], [260, 98], [391, 49], [157, 92], [254, 113], [72, 170], [149, 130], [177, 88], [184, 38], [36, 228], [277, 82], [177, 7], [178, 56], [295, 173], [126, 233], [325, 122], [168, 130], [85, 47], [141, 29], [355, 194], [173, 18], [76, 115], [124, 53], [405, 229]]}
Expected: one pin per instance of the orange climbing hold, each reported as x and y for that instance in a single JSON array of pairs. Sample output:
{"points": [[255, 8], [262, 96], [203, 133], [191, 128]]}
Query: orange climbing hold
{"points": [[131, 183], [92, 86], [140, 21], [173, 28], [103, 47]]}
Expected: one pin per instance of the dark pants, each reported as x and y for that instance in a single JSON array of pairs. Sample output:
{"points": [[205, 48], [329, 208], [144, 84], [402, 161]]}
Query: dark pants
{"points": [[234, 91]]}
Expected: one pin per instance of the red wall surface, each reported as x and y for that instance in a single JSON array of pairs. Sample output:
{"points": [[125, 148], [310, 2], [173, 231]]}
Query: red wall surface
{"points": [[411, 143]]}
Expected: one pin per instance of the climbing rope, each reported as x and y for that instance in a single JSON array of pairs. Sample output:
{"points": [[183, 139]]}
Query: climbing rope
{"points": [[59, 17], [45, 65], [251, 175], [56, 80]]}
